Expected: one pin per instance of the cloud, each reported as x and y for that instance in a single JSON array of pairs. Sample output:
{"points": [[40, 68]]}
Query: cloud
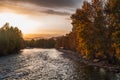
{"points": [[51, 15], [50, 3], [55, 7], [56, 12]]}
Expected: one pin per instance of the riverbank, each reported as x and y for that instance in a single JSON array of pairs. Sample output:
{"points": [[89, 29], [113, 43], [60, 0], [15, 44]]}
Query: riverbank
{"points": [[103, 64]]}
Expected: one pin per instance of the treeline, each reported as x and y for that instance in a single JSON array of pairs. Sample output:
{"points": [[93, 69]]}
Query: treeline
{"points": [[96, 31], [40, 43], [11, 39]]}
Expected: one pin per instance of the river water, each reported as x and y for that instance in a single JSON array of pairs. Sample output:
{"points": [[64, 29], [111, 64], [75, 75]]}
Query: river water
{"points": [[49, 64]]}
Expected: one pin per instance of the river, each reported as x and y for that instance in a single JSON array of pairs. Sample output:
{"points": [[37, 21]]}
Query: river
{"points": [[49, 64]]}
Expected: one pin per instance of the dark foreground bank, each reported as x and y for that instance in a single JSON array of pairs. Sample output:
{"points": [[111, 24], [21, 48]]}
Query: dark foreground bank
{"points": [[103, 64]]}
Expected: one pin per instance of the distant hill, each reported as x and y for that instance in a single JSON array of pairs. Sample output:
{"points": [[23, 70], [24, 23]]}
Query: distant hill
{"points": [[39, 36]]}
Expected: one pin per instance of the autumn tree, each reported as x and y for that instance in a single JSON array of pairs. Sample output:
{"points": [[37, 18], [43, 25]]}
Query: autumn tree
{"points": [[100, 28], [90, 32], [80, 24], [96, 31], [72, 41], [112, 10]]}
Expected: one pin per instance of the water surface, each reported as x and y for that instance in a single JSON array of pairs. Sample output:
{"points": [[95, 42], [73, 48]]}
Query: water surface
{"points": [[49, 64]]}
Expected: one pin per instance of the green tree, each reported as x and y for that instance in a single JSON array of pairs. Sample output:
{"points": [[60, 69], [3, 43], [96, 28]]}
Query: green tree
{"points": [[10, 39]]}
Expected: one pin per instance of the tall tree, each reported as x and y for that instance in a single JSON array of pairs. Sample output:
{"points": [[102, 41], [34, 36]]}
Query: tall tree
{"points": [[99, 23], [91, 34], [81, 20], [113, 12]]}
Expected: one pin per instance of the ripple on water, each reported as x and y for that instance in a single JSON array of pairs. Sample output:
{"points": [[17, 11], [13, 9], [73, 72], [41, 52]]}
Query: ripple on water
{"points": [[48, 64]]}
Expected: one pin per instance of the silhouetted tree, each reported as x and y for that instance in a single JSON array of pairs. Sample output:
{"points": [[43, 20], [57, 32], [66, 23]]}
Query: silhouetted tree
{"points": [[41, 43], [10, 39]]}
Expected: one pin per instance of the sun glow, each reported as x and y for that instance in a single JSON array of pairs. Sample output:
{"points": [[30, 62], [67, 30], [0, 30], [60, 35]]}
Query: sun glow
{"points": [[23, 22]]}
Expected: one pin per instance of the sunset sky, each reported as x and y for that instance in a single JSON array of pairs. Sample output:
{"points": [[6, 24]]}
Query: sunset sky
{"points": [[39, 16]]}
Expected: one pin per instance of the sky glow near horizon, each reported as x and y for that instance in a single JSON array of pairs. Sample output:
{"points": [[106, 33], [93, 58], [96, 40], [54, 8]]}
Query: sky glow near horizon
{"points": [[39, 16]]}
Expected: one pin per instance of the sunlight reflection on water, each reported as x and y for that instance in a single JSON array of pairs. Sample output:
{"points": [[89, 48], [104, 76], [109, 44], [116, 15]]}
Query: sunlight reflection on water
{"points": [[54, 54], [48, 64]]}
